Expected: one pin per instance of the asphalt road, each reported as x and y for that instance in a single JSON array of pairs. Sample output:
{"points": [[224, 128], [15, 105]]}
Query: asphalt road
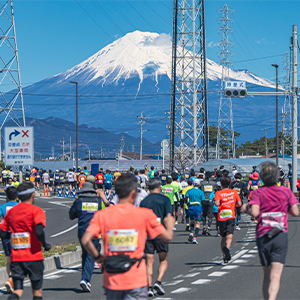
{"points": [[195, 271]]}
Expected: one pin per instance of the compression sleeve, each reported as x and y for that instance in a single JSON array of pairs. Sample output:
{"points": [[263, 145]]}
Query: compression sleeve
{"points": [[4, 235], [40, 234]]}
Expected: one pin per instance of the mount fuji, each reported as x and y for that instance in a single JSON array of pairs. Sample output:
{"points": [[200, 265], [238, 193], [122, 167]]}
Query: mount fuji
{"points": [[131, 75]]}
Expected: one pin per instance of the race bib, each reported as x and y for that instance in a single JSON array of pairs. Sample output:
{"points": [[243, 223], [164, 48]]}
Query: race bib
{"points": [[237, 190], [225, 213], [8, 208], [20, 240], [273, 219], [208, 188], [168, 190], [122, 240], [89, 207], [254, 187], [158, 220], [187, 175]]}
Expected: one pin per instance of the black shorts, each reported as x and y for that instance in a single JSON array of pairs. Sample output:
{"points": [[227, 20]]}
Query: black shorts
{"points": [[34, 269], [207, 208], [56, 183], [156, 245], [6, 247], [226, 227], [182, 203], [272, 250], [100, 186], [72, 183], [51, 183], [61, 183]]}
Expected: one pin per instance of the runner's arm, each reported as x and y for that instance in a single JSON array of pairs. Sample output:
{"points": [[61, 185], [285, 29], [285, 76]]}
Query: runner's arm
{"points": [[89, 246], [167, 235], [4, 234], [73, 211], [294, 210], [40, 234], [101, 195]]}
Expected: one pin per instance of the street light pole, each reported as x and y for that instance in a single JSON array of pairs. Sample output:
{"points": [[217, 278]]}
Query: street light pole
{"points": [[76, 84], [277, 142]]}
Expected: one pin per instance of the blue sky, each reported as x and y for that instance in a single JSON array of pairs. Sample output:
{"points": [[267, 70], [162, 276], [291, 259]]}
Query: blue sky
{"points": [[53, 36]]}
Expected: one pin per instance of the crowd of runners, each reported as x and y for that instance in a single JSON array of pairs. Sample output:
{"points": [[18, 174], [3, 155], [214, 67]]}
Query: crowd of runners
{"points": [[139, 218]]}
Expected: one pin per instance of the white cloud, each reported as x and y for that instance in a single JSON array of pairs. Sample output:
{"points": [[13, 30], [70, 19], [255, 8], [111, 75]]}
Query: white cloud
{"points": [[212, 44]]}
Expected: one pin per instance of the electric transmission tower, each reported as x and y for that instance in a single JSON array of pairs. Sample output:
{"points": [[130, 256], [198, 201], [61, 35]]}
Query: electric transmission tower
{"points": [[225, 121], [287, 107], [11, 103], [188, 115]]}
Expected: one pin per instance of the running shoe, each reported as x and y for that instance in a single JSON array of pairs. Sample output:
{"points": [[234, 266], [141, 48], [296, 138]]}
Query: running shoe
{"points": [[227, 254], [150, 292], [217, 234], [182, 221], [204, 231], [237, 227], [9, 286], [159, 289], [208, 232], [190, 239], [187, 228], [176, 222], [174, 228], [195, 240], [97, 266], [86, 286]]}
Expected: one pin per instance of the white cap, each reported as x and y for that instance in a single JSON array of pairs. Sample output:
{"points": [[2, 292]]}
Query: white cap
{"points": [[56, 171], [197, 182], [117, 170], [186, 168]]}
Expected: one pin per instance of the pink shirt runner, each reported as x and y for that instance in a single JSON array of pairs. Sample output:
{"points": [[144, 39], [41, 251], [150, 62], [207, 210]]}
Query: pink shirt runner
{"points": [[274, 202]]}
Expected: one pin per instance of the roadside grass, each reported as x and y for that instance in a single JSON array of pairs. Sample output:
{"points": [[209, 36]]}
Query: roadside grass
{"points": [[56, 249]]}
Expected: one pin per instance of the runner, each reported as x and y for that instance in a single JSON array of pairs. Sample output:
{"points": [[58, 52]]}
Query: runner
{"points": [[100, 180], [281, 176], [81, 179], [207, 205], [194, 198], [151, 172], [163, 177], [117, 174], [253, 184], [61, 180], [11, 201], [234, 171], [84, 208], [161, 206], [46, 181], [226, 199], [183, 184], [71, 179], [27, 176], [38, 176], [270, 205], [186, 173], [86, 172], [56, 181], [184, 191], [108, 182], [143, 179], [201, 176], [11, 174], [51, 180], [9, 184], [24, 225], [15, 182], [240, 188], [290, 175], [124, 219], [4, 177], [178, 190]]}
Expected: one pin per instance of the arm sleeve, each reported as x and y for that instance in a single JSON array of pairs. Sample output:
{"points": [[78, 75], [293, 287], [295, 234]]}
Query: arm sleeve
{"points": [[40, 234], [73, 214], [211, 196], [168, 206]]}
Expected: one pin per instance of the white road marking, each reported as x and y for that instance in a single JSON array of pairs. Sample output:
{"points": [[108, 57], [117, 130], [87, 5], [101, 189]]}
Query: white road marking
{"points": [[187, 276], [202, 281], [70, 271], [217, 274], [240, 261], [248, 255], [181, 290], [58, 203], [242, 252], [253, 251], [173, 283], [230, 267], [52, 277], [62, 232], [201, 269]]}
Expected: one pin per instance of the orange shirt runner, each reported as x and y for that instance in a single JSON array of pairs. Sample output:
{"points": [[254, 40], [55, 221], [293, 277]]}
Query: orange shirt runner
{"points": [[118, 225], [21, 221], [228, 199], [81, 180]]}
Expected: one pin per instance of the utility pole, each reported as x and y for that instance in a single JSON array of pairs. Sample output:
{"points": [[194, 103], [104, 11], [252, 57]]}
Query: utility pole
{"points": [[142, 121], [63, 141], [266, 143], [282, 133], [76, 84], [52, 149], [101, 152], [294, 109], [70, 150], [89, 154], [277, 143], [122, 145]]}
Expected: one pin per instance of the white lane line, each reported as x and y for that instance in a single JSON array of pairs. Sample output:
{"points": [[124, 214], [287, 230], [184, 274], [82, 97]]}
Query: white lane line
{"points": [[253, 251], [187, 276], [62, 232], [240, 261], [181, 290], [60, 204], [229, 267], [202, 281], [52, 277], [201, 269], [217, 274], [239, 254], [173, 282], [248, 256]]}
